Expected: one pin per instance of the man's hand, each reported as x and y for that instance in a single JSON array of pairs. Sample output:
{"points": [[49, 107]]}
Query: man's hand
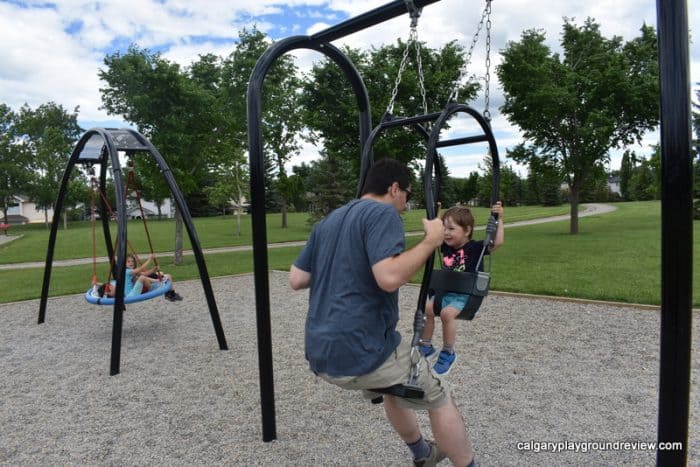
{"points": [[434, 232]]}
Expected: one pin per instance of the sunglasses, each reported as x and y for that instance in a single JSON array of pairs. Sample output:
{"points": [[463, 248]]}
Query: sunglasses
{"points": [[408, 194]]}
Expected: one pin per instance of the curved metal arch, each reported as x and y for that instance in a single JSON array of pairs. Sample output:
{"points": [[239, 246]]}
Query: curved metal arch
{"points": [[434, 143], [58, 206], [257, 191], [388, 122], [265, 62], [320, 42], [109, 154]]}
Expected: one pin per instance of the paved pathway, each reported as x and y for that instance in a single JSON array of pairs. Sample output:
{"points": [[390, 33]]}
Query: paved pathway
{"points": [[588, 210]]}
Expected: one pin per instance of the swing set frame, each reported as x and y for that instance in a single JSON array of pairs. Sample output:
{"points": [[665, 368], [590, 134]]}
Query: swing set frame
{"points": [[102, 146], [677, 225]]}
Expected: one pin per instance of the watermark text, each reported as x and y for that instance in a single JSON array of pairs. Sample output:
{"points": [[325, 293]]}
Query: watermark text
{"points": [[588, 446]]}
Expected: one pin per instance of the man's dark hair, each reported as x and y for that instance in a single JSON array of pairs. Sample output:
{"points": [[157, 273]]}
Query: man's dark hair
{"points": [[383, 173], [101, 290]]}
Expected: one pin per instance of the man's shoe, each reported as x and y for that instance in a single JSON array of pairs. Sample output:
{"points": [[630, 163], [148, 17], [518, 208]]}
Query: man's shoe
{"points": [[426, 350], [433, 459], [444, 363]]}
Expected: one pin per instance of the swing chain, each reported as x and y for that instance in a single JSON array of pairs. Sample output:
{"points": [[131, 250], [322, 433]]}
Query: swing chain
{"points": [[487, 77], [421, 77], [412, 39], [485, 18]]}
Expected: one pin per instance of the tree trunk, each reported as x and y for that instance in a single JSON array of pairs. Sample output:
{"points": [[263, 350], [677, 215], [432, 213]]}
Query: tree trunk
{"points": [[573, 199], [46, 218], [65, 220], [239, 212], [178, 237], [284, 213]]}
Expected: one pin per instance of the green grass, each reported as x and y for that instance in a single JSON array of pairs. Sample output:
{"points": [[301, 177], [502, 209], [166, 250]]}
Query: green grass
{"points": [[213, 232], [615, 257], [25, 284]]}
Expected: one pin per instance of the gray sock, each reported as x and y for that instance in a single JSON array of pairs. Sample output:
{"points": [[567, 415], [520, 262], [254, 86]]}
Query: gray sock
{"points": [[420, 449]]}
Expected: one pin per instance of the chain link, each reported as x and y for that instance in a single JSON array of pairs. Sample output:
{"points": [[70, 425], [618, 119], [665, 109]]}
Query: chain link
{"points": [[487, 77], [412, 39], [421, 78], [485, 15]]}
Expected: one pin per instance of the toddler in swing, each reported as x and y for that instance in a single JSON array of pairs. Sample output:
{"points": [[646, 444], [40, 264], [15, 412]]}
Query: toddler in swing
{"points": [[459, 253]]}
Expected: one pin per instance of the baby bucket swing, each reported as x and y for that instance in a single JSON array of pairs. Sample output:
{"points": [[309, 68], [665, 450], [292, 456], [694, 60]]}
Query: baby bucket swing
{"points": [[439, 281]]}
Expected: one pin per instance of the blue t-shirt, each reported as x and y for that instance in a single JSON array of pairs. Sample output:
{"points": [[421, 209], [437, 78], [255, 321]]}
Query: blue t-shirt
{"points": [[128, 281], [351, 324]]}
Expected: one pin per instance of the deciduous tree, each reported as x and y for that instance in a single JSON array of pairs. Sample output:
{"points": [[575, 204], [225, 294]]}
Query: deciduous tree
{"points": [[331, 110], [48, 133], [574, 108], [15, 168], [281, 113], [178, 113]]}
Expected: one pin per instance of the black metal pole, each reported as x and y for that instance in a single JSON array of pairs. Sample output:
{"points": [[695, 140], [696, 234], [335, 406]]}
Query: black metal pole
{"points": [[120, 262], [320, 42], [257, 192], [368, 19], [194, 238], [676, 231], [58, 206], [105, 214]]}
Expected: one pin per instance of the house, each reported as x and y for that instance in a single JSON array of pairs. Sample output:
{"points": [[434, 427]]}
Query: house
{"points": [[243, 207], [150, 209], [23, 211], [614, 184]]}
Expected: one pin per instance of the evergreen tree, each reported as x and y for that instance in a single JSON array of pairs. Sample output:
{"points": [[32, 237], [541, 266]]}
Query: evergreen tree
{"points": [[626, 170], [544, 180]]}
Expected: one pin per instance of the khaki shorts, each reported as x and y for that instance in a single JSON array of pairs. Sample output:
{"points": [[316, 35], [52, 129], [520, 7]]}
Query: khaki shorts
{"points": [[395, 370]]}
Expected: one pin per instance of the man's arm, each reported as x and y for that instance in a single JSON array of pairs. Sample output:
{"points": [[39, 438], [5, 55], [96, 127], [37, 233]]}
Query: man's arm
{"points": [[298, 278], [392, 273]]}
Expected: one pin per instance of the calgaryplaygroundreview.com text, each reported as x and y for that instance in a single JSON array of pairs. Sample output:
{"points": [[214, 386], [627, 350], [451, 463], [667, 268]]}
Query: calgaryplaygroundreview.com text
{"points": [[588, 446]]}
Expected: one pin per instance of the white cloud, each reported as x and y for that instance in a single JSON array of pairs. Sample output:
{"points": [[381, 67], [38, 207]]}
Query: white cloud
{"points": [[42, 62]]}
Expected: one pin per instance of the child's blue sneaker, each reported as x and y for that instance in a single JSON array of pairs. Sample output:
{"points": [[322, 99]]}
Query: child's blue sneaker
{"points": [[426, 350], [444, 362]]}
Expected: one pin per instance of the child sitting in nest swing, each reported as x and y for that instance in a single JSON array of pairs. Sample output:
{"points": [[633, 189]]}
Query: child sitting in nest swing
{"points": [[138, 280]]}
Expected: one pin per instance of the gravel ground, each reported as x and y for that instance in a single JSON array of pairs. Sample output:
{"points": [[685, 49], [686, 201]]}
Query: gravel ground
{"points": [[528, 370]]}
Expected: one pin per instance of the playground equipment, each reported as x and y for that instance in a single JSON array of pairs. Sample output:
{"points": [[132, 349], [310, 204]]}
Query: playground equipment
{"points": [[430, 126], [102, 146], [677, 219]]}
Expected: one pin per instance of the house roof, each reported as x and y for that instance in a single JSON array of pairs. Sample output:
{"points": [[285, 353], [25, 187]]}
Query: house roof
{"points": [[136, 210]]}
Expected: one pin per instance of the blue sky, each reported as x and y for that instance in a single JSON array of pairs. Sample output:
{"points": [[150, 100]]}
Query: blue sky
{"points": [[52, 50]]}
